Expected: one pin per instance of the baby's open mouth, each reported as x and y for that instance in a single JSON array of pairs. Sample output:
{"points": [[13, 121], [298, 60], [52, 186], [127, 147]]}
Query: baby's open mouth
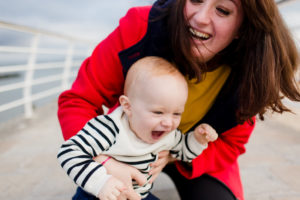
{"points": [[199, 35], [157, 134]]}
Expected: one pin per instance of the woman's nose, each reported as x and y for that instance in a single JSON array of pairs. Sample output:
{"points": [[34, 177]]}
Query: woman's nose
{"points": [[203, 14]]}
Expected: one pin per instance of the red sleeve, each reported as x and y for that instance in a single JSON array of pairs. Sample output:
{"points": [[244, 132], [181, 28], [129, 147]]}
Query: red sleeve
{"points": [[100, 78], [221, 153]]}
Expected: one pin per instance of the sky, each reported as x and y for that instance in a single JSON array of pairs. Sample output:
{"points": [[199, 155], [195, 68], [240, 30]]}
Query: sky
{"points": [[89, 19], [93, 19], [86, 18]]}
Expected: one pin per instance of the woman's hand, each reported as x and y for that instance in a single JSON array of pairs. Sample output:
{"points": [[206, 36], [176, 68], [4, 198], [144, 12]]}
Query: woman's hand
{"points": [[112, 189], [163, 159], [125, 173]]}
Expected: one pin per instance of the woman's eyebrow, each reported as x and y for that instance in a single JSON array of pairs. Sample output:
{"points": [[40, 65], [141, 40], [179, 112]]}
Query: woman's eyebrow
{"points": [[235, 2]]}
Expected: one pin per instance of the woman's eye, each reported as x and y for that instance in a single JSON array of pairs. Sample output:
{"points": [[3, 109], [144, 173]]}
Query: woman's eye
{"points": [[196, 1], [223, 11]]}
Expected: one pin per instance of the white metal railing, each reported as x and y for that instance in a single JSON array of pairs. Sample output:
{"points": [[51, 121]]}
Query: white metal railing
{"points": [[68, 65]]}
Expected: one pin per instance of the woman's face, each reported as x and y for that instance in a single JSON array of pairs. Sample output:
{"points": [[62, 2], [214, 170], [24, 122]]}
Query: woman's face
{"points": [[213, 24]]}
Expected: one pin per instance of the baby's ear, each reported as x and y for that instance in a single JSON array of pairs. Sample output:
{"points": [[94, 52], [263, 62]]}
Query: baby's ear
{"points": [[125, 103]]}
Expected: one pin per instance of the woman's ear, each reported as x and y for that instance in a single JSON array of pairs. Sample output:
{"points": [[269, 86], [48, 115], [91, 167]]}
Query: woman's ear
{"points": [[125, 103]]}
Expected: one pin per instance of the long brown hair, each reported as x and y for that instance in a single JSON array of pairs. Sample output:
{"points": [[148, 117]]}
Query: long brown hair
{"points": [[264, 57]]}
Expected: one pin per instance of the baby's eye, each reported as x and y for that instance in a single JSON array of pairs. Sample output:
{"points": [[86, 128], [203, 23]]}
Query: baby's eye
{"points": [[177, 114], [157, 112], [223, 11]]}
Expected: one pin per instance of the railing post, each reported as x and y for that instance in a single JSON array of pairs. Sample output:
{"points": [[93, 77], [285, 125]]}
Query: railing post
{"points": [[27, 92], [67, 67]]}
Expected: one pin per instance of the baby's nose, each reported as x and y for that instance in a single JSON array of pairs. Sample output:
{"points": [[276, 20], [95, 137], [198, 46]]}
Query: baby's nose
{"points": [[167, 122]]}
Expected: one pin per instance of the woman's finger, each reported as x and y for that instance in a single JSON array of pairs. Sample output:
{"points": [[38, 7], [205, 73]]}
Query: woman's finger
{"points": [[158, 167], [163, 154], [153, 178], [138, 177], [163, 159], [122, 196], [116, 192], [132, 195], [112, 197]]}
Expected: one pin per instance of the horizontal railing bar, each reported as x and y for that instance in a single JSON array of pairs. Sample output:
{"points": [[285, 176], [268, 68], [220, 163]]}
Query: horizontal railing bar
{"points": [[12, 104], [18, 49], [39, 66], [47, 79], [22, 101], [13, 86], [26, 29], [59, 52], [15, 49], [19, 85], [46, 93], [16, 68], [42, 80]]}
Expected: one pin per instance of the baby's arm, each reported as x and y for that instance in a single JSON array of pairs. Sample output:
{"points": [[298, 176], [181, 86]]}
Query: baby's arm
{"points": [[204, 133], [76, 156], [190, 145]]}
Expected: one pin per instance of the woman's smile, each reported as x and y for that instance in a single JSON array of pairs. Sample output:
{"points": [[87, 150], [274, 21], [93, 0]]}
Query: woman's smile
{"points": [[211, 28], [199, 35]]}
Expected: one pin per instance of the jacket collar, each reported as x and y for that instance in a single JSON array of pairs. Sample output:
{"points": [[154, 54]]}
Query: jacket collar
{"points": [[155, 42]]}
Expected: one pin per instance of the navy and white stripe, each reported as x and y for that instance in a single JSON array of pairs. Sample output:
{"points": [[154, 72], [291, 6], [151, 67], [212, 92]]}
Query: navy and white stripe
{"points": [[76, 154], [110, 135]]}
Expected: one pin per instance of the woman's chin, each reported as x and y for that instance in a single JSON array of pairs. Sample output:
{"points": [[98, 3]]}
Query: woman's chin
{"points": [[203, 54]]}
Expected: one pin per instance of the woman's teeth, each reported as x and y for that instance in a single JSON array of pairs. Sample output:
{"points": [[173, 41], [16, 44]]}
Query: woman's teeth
{"points": [[202, 36]]}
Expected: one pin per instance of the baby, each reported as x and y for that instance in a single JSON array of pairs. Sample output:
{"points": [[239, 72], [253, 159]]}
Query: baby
{"points": [[144, 124]]}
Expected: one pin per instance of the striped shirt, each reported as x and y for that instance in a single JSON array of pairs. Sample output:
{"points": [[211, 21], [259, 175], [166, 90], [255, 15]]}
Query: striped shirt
{"points": [[111, 135]]}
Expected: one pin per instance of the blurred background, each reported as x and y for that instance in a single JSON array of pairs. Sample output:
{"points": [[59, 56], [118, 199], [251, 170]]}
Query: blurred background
{"points": [[36, 35], [42, 44], [89, 19]]}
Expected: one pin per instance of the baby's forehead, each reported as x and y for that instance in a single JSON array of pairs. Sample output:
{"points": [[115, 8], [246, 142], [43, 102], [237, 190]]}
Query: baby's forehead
{"points": [[167, 78], [169, 83], [148, 69]]}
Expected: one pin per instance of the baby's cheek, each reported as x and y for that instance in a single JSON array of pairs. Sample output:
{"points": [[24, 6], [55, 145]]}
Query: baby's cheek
{"points": [[176, 124]]}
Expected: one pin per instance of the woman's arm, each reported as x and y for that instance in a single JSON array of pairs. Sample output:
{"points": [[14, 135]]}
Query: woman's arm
{"points": [[100, 78], [99, 82], [221, 153]]}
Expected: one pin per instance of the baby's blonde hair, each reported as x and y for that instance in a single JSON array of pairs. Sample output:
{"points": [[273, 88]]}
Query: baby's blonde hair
{"points": [[147, 67]]}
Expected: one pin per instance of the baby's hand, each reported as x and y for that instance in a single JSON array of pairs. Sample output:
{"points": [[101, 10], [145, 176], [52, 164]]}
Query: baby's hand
{"points": [[112, 189], [204, 133]]}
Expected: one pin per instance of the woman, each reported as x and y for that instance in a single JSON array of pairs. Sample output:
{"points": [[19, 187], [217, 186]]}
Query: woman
{"points": [[239, 60]]}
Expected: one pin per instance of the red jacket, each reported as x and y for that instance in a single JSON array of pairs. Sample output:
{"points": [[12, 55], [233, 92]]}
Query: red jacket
{"points": [[100, 82]]}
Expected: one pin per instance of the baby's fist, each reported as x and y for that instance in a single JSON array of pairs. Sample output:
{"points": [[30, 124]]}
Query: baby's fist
{"points": [[204, 133]]}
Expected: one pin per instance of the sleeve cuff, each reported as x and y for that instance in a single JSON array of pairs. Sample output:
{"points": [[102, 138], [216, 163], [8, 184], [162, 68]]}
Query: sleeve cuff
{"points": [[195, 146]]}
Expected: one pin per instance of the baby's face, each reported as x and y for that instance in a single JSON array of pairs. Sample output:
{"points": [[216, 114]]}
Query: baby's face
{"points": [[157, 107]]}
